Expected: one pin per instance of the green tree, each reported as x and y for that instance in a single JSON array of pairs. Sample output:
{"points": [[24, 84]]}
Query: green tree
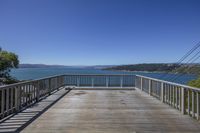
{"points": [[8, 60]]}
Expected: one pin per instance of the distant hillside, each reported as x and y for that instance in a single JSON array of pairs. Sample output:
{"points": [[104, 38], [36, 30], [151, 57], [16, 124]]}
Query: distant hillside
{"points": [[50, 66], [161, 67], [192, 69], [145, 67], [100, 66], [38, 66]]}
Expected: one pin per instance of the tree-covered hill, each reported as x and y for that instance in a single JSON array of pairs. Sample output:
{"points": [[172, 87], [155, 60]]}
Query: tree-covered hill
{"points": [[153, 67], [160, 67], [188, 69]]}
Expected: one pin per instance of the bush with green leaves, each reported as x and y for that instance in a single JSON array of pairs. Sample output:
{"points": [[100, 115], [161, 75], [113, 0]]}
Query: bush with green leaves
{"points": [[8, 60]]}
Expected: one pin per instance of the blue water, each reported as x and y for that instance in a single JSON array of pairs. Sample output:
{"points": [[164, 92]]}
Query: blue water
{"points": [[35, 73]]}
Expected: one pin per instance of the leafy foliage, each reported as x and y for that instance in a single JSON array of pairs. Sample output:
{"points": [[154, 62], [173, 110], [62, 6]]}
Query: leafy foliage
{"points": [[8, 60]]}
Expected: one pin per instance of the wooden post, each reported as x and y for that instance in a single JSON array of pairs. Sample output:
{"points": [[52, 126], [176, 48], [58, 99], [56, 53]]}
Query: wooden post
{"points": [[135, 81], [63, 80], [78, 81], [141, 84], [197, 105], [121, 81], [17, 98], [49, 91], [11, 98], [38, 91], [92, 82], [176, 90], [193, 113], [165, 93], [182, 100], [2, 101], [188, 102], [107, 81], [173, 92], [162, 92], [58, 83], [7, 99], [179, 98], [149, 87]]}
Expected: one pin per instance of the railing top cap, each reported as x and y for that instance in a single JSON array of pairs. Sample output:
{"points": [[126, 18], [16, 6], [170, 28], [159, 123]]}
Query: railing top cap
{"points": [[100, 74]]}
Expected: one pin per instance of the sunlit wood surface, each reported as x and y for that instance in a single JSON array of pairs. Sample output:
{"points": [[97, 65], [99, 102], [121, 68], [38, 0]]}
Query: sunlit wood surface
{"points": [[112, 111]]}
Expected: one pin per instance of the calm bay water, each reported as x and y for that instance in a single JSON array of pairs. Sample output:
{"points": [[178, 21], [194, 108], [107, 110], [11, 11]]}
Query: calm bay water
{"points": [[35, 73]]}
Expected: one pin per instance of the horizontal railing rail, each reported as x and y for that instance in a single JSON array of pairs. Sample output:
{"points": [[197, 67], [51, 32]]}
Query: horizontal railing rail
{"points": [[182, 97], [20, 95]]}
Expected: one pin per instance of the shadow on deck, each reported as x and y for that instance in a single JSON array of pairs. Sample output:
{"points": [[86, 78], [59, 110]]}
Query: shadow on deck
{"points": [[19, 121]]}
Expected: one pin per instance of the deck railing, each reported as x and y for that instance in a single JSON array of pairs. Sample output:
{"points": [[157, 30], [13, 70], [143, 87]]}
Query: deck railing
{"points": [[100, 80], [15, 97], [183, 98]]}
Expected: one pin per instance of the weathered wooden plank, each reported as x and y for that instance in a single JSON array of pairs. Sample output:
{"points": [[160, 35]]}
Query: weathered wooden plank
{"points": [[111, 111]]}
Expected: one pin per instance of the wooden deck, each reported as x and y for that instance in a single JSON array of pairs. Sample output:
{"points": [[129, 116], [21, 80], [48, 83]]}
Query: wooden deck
{"points": [[111, 111]]}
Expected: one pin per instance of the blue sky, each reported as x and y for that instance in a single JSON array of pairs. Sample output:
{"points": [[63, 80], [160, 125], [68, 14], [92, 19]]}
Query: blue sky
{"points": [[99, 32]]}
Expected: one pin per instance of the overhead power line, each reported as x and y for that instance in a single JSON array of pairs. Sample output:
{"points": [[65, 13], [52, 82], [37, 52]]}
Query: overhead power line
{"points": [[180, 61], [187, 68]]}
